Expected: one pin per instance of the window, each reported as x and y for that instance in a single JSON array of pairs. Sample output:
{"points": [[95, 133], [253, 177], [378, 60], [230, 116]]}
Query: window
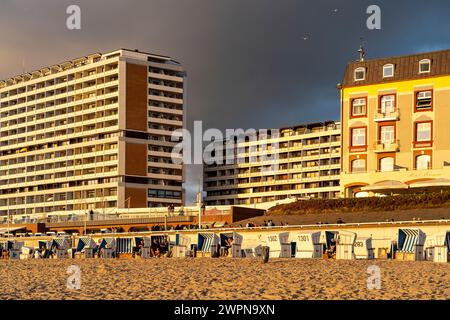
{"points": [[359, 165], [423, 131], [359, 107], [387, 134], [424, 66], [387, 164], [388, 70], [387, 104], [360, 74], [423, 162], [358, 137], [424, 100]]}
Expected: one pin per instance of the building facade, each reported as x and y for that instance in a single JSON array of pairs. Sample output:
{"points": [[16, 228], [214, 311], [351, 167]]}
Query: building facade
{"points": [[91, 134], [395, 119], [308, 166]]}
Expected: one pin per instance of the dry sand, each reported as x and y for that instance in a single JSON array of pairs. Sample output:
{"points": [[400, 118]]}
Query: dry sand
{"points": [[224, 278]]}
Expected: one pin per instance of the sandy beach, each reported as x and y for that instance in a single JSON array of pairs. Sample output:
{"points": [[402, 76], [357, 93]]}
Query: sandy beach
{"points": [[206, 278]]}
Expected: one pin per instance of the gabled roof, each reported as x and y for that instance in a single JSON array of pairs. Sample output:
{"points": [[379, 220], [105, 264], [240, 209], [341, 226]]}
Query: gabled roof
{"points": [[406, 68]]}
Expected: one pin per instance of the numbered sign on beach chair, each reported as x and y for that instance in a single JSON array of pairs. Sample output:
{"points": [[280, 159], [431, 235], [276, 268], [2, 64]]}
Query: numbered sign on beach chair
{"points": [[307, 244], [410, 244], [206, 242], [363, 248], [279, 245]]}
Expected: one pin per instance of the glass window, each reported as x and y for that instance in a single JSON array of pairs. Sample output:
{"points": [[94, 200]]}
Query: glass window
{"points": [[423, 162], [424, 100], [424, 66], [387, 134], [423, 131], [387, 104], [359, 107], [360, 74], [358, 137], [359, 165], [387, 164], [388, 70]]}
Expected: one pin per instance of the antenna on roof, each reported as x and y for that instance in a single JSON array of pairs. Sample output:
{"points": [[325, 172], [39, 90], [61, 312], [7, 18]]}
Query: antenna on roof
{"points": [[361, 50]]}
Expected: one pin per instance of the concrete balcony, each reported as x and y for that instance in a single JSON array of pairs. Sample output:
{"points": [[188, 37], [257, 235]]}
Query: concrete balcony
{"points": [[386, 146]]}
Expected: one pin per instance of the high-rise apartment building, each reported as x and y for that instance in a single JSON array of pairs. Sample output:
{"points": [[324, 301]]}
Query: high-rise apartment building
{"points": [[395, 117], [308, 166], [91, 134]]}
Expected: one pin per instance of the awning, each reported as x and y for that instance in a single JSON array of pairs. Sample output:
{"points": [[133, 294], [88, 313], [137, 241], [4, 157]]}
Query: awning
{"points": [[6, 230], [441, 182], [219, 224], [407, 239], [386, 185]]}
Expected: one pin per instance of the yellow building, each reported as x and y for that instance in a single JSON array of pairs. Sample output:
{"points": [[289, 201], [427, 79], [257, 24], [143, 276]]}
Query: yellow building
{"points": [[395, 124]]}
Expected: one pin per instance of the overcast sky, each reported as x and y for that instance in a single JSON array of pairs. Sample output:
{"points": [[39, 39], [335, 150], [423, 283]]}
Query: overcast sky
{"points": [[248, 63]]}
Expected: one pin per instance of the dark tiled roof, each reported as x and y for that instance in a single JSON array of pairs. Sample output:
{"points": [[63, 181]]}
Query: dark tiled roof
{"points": [[406, 68]]}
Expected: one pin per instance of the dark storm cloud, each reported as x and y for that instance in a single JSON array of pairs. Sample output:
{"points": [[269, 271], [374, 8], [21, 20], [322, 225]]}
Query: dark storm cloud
{"points": [[247, 61]]}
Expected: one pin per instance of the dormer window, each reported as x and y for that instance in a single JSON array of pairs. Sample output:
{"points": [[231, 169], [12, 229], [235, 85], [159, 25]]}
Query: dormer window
{"points": [[360, 74], [388, 70], [424, 66]]}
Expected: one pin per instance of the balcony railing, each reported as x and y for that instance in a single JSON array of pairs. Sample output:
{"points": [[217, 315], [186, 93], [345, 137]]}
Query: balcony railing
{"points": [[386, 146], [387, 115]]}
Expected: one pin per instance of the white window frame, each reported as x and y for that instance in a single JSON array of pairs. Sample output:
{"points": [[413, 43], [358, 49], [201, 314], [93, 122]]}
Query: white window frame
{"points": [[429, 131], [390, 133], [359, 135], [359, 102], [387, 166], [360, 69], [423, 95], [359, 168], [385, 67], [421, 162], [425, 62], [384, 101]]}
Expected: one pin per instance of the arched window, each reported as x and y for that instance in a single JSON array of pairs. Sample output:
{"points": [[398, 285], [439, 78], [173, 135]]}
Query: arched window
{"points": [[388, 70], [360, 74], [424, 66], [387, 164], [359, 165], [423, 162]]}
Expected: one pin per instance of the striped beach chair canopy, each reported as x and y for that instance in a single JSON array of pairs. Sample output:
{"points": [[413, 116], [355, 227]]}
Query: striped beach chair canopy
{"points": [[62, 243], [86, 242], [124, 245], [206, 241], [408, 239], [108, 242]]}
